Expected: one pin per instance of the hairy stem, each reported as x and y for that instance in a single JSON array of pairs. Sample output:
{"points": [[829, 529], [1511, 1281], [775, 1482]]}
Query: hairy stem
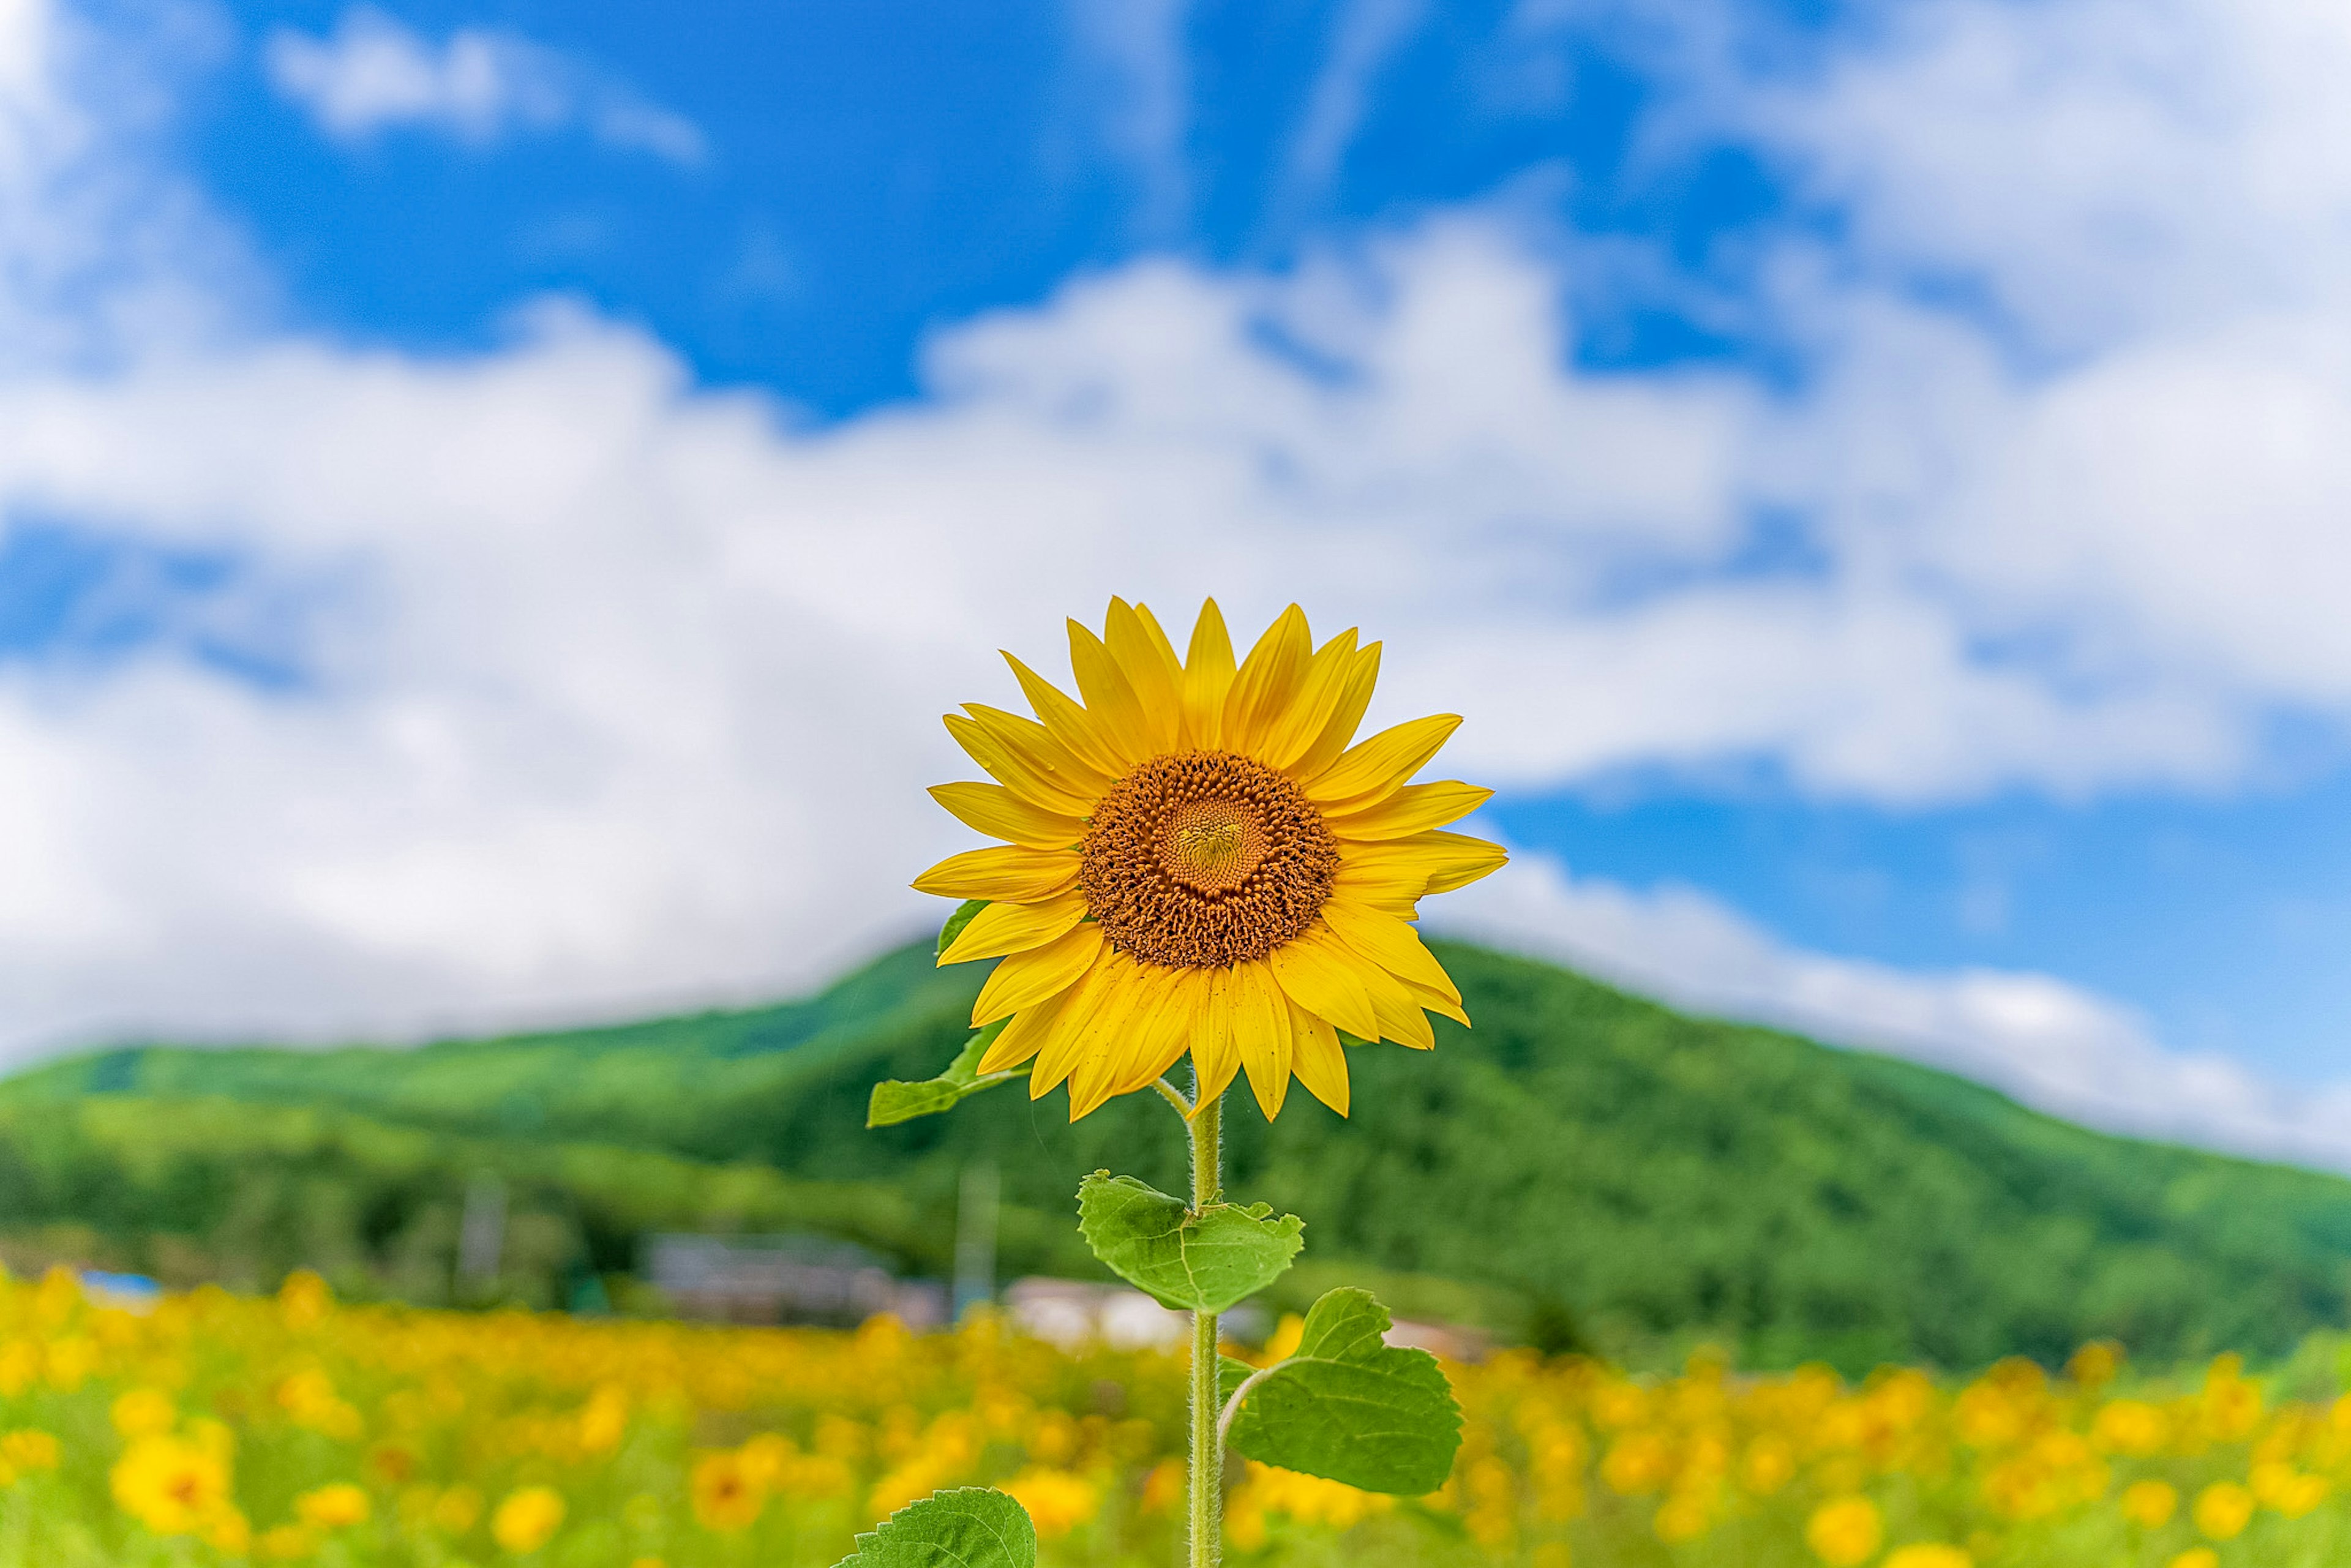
{"points": [[1207, 1437]]}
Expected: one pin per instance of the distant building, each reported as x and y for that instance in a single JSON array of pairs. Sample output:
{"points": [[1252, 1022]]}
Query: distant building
{"points": [[1072, 1313], [786, 1280]]}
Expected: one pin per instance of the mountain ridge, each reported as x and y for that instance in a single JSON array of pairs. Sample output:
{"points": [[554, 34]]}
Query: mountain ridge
{"points": [[1586, 1166]]}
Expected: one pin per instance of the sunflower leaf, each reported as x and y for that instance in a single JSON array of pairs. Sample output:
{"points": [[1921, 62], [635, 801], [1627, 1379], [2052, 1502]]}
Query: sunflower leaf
{"points": [[1231, 1372], [1203, 1262], [895, 1100], [963, 916], [970, 1527], [1350, 1408]]}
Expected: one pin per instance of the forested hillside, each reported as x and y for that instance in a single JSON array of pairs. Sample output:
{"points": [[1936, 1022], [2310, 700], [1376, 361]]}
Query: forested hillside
{"points": [[1583, 1168]]}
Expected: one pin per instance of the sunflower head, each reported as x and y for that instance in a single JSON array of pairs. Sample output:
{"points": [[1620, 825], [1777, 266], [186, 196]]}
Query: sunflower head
{"points": [[1198, 855]]}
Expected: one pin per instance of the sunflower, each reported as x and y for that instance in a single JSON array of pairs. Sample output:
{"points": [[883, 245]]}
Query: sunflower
{"points": [[1198, 859]]}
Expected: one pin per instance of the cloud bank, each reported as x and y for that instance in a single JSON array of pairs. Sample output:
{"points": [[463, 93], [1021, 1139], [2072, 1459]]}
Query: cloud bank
{"points": [[543, 682], [480, 85]]}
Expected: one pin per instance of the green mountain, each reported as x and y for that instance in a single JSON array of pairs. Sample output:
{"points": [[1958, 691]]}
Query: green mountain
{"points": [[1585, 1168]]}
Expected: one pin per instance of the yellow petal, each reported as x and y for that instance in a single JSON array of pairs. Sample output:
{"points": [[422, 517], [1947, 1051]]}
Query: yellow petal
{"points": [[1026, 979], [1261, 1033], [1119, 990], [1389, 942], [1346, 715], [1394, 1004], [1456, 860], [1096, 1072], [1109, 696], [1436, 1003], [1317, 1058], [1006, 874], [1215, 1055], [1150, 667], [1268, 679], [1019, 1041], [1318, 972], [1207, 678], [1299, 725], [1383, 880], [1036, 746], [1415, 808], [1163, 1045], [1377, 768], [1018, 773], [1100, 988], [1002, 928], [1000, 814], [1069, 723]]}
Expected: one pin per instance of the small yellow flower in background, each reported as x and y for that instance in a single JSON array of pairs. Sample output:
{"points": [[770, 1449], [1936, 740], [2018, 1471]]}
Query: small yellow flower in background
{"points": [[304, 1299], [1163, 1489], [1846, 1532], [647, 1563], [143, 1412], [2196, 1557], [2130, 1427], [1200, 857], [1929, 1555], [1769, 1465], [2150, 1504], [29, 1448], [227, 1530], [526, 1519], [171, 1486], [1057, 1500], [726, 1496], [604, 1420], [2223, 1509], [457, 1510], [2094, 1365], [334, 1507], [1683, 1517], [285, 1543]]}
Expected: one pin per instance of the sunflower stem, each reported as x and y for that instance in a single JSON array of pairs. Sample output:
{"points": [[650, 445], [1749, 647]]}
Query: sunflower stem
{"points": [[1207, 1440]]}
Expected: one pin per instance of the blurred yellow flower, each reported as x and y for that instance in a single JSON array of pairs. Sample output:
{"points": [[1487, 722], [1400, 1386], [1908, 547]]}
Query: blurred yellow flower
{"points": [[1846, 1532], [2223, 1509], [2196, 1557], [2150, 1504], [171, 1486], [1929, 1555], [1057, 1500], [334, 1506], [725, 1498], [526, 1519], [143, 1412]]}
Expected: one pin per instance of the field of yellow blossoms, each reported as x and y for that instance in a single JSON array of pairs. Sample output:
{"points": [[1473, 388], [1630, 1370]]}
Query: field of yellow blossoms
{"points": [[214, 1428]]}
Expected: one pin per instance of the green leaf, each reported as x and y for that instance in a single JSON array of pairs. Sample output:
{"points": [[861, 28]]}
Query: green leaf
{"points": [[1231, 1374], [971, 1527], [1204, 1263], [895, 1100], [956, 923], [1348, 1407]]}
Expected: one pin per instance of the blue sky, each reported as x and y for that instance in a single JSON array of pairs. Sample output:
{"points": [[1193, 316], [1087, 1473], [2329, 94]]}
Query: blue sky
{"points": [[1878, 487]]}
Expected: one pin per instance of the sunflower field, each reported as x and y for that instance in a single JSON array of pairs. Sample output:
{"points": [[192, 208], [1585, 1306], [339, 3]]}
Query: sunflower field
{"points": [[214, 1428]]}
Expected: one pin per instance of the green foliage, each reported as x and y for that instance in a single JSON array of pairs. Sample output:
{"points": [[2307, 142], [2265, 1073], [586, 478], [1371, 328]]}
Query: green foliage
{"points": [[1585, 1169], [1349, 1407], [895, 1101], [1203, 1262], [970, 1527]]}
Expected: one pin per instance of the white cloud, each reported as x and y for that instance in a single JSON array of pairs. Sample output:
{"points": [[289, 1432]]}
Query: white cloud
{"points": [[373, 72], [2051, 1045]]}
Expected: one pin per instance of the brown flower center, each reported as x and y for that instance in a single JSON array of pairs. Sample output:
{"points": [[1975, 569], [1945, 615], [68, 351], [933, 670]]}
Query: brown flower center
{"points": [[1203, 858]]}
